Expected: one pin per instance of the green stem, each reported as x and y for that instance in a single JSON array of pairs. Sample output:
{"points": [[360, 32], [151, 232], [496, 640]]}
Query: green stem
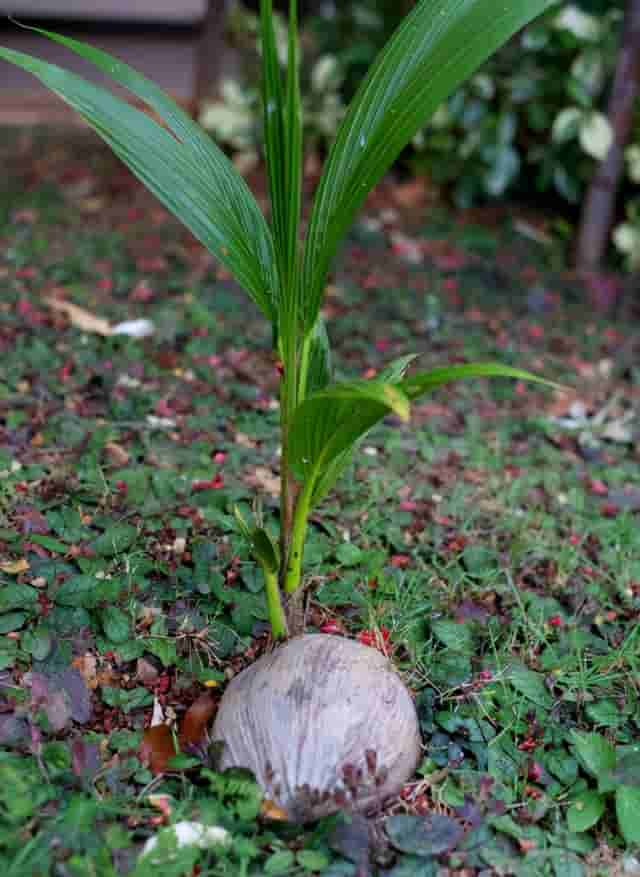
{"points": [[277, 618], [287, 407], [296, 549]]}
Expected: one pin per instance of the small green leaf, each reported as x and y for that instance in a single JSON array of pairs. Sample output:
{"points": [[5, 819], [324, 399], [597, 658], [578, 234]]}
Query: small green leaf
{"points": [[241, 522], [396, 370], [457, 637], [127, 700], [116, 625], [163, 648], [605, 712], [585, 811], [115, 540], [348, 554], [39, 642], [313, 860], [628, 813], [531, 685], [11, 621], [562, 766], [87, 591], [17, 596], [262, 546], [8, 653], [279, 863], [183, 762], [565, 863], [49, 543], [479, 561], [596, 754], [627, 770], [265, 550]]}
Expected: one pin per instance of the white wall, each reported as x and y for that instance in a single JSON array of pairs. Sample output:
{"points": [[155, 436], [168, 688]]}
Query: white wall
{"points": [[178, 11]]}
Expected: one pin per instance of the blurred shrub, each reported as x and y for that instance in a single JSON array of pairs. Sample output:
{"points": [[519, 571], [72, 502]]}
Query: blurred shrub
{"points": [[529, 125], [234, 117]]}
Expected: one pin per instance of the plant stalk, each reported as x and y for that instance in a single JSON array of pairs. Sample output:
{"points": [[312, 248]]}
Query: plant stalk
{"points": [[277, 618], [296, 549]]}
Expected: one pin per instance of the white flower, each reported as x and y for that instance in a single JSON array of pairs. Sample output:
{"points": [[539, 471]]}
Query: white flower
{"points": [[185, 834], [596, 135], [579, 23]]}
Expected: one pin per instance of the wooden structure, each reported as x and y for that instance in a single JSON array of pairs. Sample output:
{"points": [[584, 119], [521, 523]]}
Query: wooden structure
{"points": [[177, 43]]}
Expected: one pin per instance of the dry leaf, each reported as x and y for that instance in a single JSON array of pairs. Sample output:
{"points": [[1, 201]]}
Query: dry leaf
{"points": [[116, 454], [264, 478], [161, 803], [244, 440], [412, 194], [13, 567], [193, 729], [81, 318], [157, 717], [270, 810], [157, 748], [146, 672], [86, 664]]}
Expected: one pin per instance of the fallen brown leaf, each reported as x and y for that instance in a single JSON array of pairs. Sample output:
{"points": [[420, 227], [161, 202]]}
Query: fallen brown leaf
{"points": [[271, 810], [116, 454], [13, 567], [157, 748], [263, 478], [81, 318], [87, 666], [194, 724]]}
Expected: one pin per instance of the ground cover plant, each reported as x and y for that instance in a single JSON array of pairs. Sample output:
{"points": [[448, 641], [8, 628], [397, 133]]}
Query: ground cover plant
{"points": [[493, 553], [463, 809]]}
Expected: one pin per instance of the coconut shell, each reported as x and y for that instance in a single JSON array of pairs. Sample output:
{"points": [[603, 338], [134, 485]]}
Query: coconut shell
{"points": [[323, 723]]}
